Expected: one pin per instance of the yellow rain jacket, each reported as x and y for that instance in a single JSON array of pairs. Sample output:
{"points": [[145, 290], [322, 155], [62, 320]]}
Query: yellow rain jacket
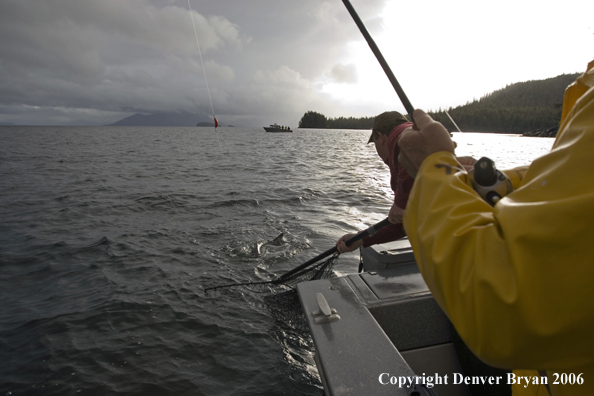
{"points": [[517, 279]]}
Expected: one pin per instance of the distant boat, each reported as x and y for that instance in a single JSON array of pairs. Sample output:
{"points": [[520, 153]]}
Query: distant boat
{"points": [[277, 128]]}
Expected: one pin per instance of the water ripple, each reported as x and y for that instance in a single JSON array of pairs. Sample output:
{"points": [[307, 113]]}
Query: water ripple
{"points": [[108, 237]]}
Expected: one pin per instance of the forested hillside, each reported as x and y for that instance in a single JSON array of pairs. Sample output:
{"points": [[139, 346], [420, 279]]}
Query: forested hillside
{"points": [[517, 108]]}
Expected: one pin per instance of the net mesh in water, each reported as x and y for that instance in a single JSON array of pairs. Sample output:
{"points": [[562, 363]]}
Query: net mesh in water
{"points": [[279, 296]]}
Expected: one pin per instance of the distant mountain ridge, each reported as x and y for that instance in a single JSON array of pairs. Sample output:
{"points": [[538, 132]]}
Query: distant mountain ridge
{"points": [[169, 119]]}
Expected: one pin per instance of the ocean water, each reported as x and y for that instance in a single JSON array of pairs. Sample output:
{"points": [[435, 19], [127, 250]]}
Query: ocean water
{"points": [[109, 235]]}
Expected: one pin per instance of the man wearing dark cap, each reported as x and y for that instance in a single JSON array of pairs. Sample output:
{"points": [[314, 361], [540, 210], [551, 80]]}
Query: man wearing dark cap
{"points": [[385, 134]]}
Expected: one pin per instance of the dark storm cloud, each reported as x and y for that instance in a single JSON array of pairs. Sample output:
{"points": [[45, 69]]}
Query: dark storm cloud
{"points": [[95, 62], [115, 57]]}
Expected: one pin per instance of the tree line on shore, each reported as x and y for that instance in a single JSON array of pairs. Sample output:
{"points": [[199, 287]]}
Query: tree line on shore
{"points": [[517, 108]]}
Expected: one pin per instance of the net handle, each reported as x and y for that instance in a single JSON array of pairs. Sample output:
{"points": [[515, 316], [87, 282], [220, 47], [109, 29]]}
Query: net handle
{"points": [[365, 233]]}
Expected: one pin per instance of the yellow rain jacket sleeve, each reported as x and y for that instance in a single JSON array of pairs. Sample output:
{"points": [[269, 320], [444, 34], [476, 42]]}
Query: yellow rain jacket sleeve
{"points": [[517, 279]]}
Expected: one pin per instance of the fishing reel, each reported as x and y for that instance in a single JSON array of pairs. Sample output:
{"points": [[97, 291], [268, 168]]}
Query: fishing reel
{"points": [[490, 183]]}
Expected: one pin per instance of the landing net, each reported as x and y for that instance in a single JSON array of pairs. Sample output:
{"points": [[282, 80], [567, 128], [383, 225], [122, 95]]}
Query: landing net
{"points": [[279, 296]]}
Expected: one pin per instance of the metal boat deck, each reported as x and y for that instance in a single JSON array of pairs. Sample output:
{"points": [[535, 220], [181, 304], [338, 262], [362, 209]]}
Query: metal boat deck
{"points": [[384, 325]]}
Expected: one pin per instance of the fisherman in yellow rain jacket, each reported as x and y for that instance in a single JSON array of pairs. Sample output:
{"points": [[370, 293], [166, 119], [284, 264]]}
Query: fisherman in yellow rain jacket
{"points": [[516, 279]]}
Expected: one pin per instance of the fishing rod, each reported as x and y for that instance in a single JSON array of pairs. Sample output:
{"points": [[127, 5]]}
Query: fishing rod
{"points": [[376, 227], [490, 183], [484, 181], [382, 61]]}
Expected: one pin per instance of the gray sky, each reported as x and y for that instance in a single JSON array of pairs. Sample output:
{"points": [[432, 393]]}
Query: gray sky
{"points": [[75, 62]]}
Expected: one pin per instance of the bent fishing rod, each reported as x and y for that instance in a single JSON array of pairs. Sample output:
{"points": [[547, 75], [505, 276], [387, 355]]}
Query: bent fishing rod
{"points": [[376, 227], [480, 172], [382, 61], [490, 183]]}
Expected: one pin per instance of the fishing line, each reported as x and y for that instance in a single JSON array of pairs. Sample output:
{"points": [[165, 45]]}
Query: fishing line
{"points": [[453, 122], [202, 63], [216, 122]]}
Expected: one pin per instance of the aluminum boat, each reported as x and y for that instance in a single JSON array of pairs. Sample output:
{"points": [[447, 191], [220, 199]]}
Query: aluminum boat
{"points": [[380, 332]]}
